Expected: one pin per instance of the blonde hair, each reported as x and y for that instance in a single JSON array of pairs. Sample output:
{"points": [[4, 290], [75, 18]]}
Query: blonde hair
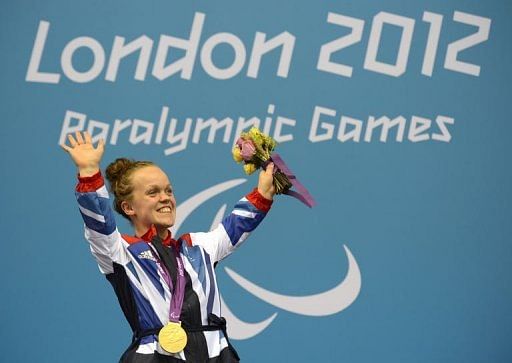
{"points": [[119, 174]]}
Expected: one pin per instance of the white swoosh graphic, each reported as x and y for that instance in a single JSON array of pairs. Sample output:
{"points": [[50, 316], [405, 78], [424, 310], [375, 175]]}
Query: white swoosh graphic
{"points": [[238, 329], [188, 206], [326, 303], [218, 217]]}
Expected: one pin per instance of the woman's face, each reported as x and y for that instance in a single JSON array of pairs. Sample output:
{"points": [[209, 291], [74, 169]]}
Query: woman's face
{"points": [[152, 200]]}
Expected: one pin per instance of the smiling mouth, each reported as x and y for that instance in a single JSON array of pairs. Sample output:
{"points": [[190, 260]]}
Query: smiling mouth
{"points": [[164, 210]]}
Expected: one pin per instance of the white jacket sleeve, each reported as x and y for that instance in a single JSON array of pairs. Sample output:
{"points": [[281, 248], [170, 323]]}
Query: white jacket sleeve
{"points": [[234, 228], [100, 226]]}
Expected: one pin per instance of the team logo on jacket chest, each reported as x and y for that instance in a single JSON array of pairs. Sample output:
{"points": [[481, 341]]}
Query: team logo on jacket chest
{"points": [[147, 255]]}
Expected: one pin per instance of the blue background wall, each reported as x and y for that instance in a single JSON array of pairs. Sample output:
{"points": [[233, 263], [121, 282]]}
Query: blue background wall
{"points": [[427, 222]]}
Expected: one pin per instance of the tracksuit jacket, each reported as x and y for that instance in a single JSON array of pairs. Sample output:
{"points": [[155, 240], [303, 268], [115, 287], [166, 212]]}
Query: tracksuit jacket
{"points": [[130, 265]]}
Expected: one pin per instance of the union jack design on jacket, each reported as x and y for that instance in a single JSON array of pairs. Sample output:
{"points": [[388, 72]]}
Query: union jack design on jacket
{"points": [[130, 265]]}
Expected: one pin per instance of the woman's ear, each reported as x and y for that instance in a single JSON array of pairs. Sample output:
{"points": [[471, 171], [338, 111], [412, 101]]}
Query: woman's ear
{"points": [[127, 208]]}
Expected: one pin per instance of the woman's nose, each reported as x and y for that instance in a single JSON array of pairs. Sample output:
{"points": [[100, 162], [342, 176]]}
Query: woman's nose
{"points": [[164, 196]]}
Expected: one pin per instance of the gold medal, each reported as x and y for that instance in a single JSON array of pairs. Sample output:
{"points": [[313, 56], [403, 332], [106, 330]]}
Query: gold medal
{"points": [[172, 337]]}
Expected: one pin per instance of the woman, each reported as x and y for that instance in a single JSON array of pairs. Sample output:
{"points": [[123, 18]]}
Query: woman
{"points": [[166, 287]]}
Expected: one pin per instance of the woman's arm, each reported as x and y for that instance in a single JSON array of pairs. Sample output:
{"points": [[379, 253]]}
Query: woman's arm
{"points": [[243, 219], [94, 203]]}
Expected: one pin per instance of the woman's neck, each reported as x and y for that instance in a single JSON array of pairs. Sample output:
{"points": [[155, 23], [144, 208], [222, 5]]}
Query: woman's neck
{"points": [[162, 232]]}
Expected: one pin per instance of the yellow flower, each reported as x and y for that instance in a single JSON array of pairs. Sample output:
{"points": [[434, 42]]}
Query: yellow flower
{"points": [[264, 142], [271, 143], [254, 131], [256, 136], [249, 168], [236, 154]]}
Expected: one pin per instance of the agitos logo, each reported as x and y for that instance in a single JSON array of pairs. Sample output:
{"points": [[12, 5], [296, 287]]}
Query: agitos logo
{"points": [[324, 303]]}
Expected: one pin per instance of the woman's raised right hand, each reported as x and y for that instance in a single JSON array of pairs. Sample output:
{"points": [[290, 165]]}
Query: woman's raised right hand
{"points": [[86, 157]]}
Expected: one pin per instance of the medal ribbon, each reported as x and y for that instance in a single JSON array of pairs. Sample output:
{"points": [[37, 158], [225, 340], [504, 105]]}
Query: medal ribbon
{"points": [[172, 265], [302, 193]]}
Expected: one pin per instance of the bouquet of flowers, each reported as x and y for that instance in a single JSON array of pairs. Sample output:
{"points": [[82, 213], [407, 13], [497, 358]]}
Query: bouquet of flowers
{"points": [[255, 149]]}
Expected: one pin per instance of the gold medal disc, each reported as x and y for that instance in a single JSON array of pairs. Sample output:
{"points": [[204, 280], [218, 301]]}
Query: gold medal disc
{"points": [[172, 337]]}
